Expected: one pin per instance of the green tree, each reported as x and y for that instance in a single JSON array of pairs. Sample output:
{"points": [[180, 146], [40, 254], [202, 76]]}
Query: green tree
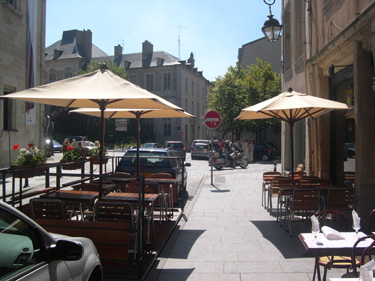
{"points": [[241, 88]]}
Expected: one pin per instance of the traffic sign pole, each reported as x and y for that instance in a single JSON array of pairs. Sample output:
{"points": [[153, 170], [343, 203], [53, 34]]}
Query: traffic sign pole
{"points": [[212, 159], [212, 120]]}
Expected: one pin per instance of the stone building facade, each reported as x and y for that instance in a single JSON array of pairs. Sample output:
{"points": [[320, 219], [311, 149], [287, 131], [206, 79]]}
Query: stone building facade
{"points": [[261, 49], [22, 29], [328, 51], [159, 72]]}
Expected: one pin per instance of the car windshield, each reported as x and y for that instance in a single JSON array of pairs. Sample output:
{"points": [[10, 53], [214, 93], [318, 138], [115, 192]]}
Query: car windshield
{"points": [[201, 146], [147, 159], [175, 146]]}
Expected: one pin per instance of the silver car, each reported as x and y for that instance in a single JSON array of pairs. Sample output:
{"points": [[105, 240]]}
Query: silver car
{"points": [[28, 252], [200, 150]]}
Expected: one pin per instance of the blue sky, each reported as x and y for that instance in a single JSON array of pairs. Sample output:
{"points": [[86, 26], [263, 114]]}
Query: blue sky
{"points": [[212, 30]]}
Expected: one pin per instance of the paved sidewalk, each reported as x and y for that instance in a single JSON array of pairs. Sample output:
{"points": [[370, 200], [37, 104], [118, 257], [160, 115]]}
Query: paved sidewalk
{"points": [[229, 236]]}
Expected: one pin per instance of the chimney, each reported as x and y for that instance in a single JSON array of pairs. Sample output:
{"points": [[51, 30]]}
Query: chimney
{"points": [[147, 50], [84, 43], [118, 51], [191, 60]]}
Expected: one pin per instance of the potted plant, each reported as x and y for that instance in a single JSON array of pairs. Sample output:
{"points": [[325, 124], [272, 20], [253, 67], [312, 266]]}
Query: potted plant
{"points": [[28, 158], [95, 154], [72, 158]]}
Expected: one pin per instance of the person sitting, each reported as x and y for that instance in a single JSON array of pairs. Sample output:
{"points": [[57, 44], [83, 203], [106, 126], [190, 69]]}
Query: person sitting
{"points": [[228, 151]]}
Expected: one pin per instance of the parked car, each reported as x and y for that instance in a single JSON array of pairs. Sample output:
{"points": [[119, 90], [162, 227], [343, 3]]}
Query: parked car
{"points": [[152, 145], [31, 253], [56, 146], [200, 141], [264, 151], [350, 150], [178, 146], [199, 150], [155, 160], [89, 146]]}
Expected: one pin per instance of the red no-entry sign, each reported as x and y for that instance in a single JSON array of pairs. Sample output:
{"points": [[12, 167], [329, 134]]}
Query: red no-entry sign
{"points": [[212, 119]]}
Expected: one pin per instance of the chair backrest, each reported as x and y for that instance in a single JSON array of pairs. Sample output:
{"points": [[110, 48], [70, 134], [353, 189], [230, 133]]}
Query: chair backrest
{"points": [[47, 209], [305, 199], [161, 175], [367, 254], [371, 218], [269, 176], [340, 199], [114, 211], [297, 175], [315, 182], [336, 219]]}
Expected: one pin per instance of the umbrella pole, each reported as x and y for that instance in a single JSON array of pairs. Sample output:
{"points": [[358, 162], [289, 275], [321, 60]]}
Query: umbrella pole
{"points": [[138, 115], [102, 108], [292, 148]]}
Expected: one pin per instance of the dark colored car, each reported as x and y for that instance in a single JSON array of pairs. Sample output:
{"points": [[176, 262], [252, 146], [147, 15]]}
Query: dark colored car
{"points": [[264, 151], [155, 160], [350, 150], [177, 146]]}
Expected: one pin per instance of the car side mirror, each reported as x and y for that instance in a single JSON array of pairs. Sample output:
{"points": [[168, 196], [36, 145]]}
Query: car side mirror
{"points": [[187, 165], [68, 250]]}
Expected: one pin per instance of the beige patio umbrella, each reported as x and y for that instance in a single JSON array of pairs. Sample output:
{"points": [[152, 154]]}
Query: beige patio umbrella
{"points": [[290, 107], [135, 113], [99, 89]]}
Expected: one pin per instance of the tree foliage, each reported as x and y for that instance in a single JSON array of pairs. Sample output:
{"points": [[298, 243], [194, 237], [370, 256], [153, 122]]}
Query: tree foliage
{"points": [[241, 88]]}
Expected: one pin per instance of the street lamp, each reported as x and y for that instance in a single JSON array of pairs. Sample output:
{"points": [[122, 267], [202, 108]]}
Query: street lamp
{"points": [[272, 27]]}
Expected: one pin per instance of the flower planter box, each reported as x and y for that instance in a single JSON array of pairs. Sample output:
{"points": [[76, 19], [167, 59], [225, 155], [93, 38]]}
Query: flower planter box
{"points": [[71, 165], [33, 169], [96, 160]]}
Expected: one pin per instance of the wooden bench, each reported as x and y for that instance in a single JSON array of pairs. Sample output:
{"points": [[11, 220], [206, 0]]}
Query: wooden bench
{"points": [[110, 238]]}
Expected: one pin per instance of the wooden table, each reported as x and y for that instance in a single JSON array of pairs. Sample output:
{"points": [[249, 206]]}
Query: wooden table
{"points": [[338, 247], [84, 198], [133, 198], [106, 187]]}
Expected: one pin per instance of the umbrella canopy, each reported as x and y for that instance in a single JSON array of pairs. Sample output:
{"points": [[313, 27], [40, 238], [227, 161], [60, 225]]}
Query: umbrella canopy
{"points": [[99, 89], [135, 113], [131, 113], [290, 107], [91, 89]]}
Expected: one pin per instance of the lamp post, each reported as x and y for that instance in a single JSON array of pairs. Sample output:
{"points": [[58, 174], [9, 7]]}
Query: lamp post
{"points": [[272, 27]]}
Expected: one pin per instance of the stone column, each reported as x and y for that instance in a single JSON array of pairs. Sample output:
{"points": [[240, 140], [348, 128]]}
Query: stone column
{"points": [[364, 100]]}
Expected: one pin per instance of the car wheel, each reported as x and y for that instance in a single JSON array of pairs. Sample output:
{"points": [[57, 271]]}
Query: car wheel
{"points": [[96, 275], [218, 168], [265, 157]]}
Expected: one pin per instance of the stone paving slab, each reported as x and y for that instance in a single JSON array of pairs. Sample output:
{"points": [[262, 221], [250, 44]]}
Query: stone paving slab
{"points": [[230, 236]]}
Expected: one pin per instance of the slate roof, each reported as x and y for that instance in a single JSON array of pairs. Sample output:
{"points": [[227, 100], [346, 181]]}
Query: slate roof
{"points": [[69, 49], [136, 59]]}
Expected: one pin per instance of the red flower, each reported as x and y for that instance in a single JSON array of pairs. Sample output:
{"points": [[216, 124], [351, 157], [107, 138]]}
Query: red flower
{"points": [[69, 147], [16, 147], [30, 145]]}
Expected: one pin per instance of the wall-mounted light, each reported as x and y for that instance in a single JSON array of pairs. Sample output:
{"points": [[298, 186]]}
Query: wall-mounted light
{"points": [[272, 27]]}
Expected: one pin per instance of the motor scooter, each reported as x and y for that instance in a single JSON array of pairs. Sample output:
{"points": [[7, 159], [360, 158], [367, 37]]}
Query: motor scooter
{"points": [[236, 158]]}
